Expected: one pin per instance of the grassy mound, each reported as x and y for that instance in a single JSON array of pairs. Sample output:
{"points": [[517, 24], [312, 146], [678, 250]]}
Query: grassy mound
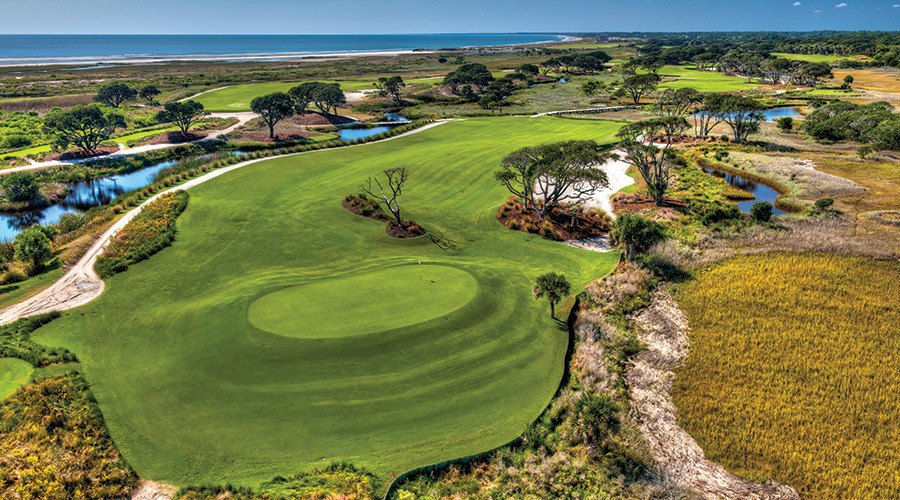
{"points": [[14, 373], [194, 393], [794, 372]]}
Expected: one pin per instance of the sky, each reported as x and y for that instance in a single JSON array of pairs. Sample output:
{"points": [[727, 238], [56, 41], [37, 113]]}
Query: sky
{"points": [[429, 16]]}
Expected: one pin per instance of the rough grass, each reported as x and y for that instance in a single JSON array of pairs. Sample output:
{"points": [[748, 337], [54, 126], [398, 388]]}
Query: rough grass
{"points": [[194, 394], [814, 58], [14, 373], [788, 379]]}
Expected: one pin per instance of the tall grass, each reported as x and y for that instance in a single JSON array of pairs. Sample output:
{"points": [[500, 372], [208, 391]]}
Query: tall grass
{"points": [[794, 372]]}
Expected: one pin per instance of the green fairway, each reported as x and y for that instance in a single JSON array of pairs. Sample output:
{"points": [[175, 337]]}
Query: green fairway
{"points": [[238, 97], [308, 311], [704, 81], [281, 332], [816, 58], [14, 373]]}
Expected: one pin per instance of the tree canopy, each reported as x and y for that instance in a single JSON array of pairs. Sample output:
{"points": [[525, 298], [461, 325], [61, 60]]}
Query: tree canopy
{"points": [[82, 126], [553, 287], [114, 94], [273, 108], [183, 114]]}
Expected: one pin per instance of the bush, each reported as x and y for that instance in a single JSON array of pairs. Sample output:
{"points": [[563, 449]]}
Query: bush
{"points": [[636, 233], [824, 204], [785, 123], [720, 213], [16, 141], [33, 245], [21, 186], [761, 211]]}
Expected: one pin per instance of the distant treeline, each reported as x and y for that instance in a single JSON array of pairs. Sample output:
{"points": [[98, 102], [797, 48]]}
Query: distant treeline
{"points": [[882, 46]]}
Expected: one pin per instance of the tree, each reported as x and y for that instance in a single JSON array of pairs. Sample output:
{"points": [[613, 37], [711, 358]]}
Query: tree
{"points": [[302, 95], [677, 103], [635, 233], [708, 114], [553, 287], [33, 245], [848, 81], [590, 87], [395, 179], [114, 94], [83, 126], [637, 86], [528, 70], [183, 114], [21, 186], [742, 114], [596, 418], [761, 211], [327, 97], [776, 69], [653, 162], [390, 86], [785, 123], [273, 108], [811, 73], [149, 93], [474, 74], [549, 175]]}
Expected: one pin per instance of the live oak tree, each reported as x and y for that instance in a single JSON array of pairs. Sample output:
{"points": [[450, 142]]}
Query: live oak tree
{"points": [[553, 287], [390, 86], [547, 176], [652, 161], [273, 108], [389, 191], [742, 114], [677, 103], [183, 114], [302, 96], [474, 74], [149, 93], [708, 114], [114, 94], [636, 86], [327, 97], [82, 126]]}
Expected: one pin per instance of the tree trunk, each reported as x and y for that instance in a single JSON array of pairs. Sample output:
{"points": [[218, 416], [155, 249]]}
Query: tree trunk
{"points": [[271, 130], [552, 310]]}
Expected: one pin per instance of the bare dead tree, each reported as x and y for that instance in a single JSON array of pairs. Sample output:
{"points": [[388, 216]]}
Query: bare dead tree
{"points": [[395, 178]]}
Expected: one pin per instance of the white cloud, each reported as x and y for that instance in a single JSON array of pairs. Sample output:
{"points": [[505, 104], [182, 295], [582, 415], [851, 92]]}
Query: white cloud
{"points": [[797, 4], [896, 6], [840, 5], [817, 12]]}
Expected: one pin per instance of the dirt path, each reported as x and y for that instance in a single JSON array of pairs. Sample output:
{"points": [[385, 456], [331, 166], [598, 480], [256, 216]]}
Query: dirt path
{"points": [[677, 457], [81, 284], [242, 118]]}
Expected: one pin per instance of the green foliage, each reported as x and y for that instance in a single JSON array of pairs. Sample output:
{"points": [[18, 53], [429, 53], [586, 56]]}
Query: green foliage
{"points": [[32, 245], [636, 233], [115, 94], [468, 76], [149, 93], [146, 234], [761, 211], [824, 204], [785, 123], [83, 126], [718, 214], [181, 113], [272, 109], [553, 287], [20, 186], [15, 342], [54, 445], [874, 124]]}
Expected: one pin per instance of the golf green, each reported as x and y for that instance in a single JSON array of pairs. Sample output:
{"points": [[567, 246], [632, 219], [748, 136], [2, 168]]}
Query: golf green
{"points": [[416, 293], [280, 332]]}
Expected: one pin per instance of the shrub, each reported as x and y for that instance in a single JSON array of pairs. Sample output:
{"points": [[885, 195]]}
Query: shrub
{"points": [[761, 211], [719, 213], [21, 186], [635, 233], [824, 204], [785, 123], [16, 141], [33, 245]]}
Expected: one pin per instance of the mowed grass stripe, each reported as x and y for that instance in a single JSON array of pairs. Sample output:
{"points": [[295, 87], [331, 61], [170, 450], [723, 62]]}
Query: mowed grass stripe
{"points": [[194, 393]]}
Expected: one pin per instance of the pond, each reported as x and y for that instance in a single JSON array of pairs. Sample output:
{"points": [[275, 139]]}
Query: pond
{"points": [[396, 117], [82, 196], [772, 114], [760, 191]]}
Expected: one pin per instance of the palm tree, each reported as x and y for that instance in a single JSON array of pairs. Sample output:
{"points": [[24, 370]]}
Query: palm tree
{"points": [[553, 287]]}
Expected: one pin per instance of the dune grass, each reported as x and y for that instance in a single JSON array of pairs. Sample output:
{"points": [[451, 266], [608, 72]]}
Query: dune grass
{"points": [[238, 97], [14, 373], [704, 81], [790, 379], [194, 393]]}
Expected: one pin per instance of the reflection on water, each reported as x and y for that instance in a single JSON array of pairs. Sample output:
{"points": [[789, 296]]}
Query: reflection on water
{"points": [[352, 134], [396, 117], [760, 191], [82, 196]]}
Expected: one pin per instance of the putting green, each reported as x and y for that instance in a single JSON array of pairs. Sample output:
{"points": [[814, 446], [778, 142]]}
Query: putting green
{"points": [[14, 373], [370, 303], [193, 392]]}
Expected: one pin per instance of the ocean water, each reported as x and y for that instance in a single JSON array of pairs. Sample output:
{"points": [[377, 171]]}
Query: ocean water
{"points": [[18, 50]]}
